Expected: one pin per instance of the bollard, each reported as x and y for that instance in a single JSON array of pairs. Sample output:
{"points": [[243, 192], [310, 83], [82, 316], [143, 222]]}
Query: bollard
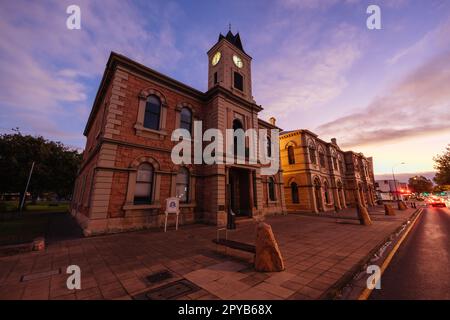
{"points": [[363, 215], [402, 206], [388, 210]]}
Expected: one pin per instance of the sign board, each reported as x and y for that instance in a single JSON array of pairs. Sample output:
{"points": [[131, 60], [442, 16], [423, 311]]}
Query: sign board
{"points": [[172, 205]]}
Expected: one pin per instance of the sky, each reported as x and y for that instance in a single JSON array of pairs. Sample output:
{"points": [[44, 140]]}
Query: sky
{"points": [[316, 66]]}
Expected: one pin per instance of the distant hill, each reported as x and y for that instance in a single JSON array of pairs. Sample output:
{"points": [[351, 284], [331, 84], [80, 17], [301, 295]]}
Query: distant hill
{"points": [[403, 177]]}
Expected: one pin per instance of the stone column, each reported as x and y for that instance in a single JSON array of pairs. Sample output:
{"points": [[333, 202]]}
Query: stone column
{"points": [[314, 200], [337, 199], [250, 184], [344, 204]]}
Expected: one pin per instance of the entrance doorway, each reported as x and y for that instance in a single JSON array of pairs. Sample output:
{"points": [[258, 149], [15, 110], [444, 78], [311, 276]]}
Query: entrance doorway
{"points": [[239, 191]]}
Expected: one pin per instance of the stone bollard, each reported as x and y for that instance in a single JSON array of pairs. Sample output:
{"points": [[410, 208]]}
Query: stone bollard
{"points": [[388, 210], [39, 244], [268, 256], [402, 205], [363, 215]]}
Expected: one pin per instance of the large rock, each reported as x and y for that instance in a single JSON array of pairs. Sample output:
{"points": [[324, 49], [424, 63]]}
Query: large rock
{"points": [[388, 210], [268, 256], [402, 205], [363, 215]]}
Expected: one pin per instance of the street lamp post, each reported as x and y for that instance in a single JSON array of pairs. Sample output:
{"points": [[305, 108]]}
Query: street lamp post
{"points": [[395, 183]]}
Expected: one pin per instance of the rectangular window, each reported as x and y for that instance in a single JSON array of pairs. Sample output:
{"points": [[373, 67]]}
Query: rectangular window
{"points": [[238, 81], [215, 77]]}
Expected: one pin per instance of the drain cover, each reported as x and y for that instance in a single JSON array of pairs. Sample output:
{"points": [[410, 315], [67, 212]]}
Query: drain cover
{"points": [[172, 290], [159, 276], [40, 275]]}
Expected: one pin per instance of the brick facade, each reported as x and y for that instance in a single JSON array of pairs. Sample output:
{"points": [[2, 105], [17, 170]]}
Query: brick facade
{"points": [[119, 142]]}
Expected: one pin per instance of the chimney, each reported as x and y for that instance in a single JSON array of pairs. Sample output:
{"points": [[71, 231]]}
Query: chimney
{"points": [[272, 120], [334, 141]]}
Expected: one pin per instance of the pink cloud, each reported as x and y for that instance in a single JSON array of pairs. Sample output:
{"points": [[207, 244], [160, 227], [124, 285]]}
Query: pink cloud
{"points": [[418, 105]]}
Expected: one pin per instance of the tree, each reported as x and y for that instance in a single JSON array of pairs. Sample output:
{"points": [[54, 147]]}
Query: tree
{"points": [[442, 166], [420, 184], [55, 169]]}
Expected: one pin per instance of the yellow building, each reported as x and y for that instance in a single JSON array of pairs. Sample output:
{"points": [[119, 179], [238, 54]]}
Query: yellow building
{"points": [[318, 176]]}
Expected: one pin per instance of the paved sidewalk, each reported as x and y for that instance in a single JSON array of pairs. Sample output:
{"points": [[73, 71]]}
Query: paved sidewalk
{"points": [[317, 252]]}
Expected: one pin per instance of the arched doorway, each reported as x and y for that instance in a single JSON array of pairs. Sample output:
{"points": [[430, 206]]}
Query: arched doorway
{"points": [[318, 194], [294, 193]]}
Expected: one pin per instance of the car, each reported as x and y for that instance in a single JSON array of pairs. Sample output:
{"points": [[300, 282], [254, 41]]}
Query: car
{"points": [[437, 202]]}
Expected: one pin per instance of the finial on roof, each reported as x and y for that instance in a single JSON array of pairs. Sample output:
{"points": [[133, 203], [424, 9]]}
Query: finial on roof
{"points": [[229, 26]]}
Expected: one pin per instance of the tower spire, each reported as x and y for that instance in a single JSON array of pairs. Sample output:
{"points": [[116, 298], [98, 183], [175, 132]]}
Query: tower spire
{"points": [[229, 26]]}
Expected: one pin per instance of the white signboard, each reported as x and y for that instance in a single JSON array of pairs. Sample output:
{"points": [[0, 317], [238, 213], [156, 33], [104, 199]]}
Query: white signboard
{"points": [[172, 205]]}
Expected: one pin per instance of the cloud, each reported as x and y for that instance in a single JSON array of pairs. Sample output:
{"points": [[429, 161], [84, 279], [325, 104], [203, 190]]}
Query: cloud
{"points": [[434, 40], [417, 105], [51, 72], [308, 69], [317, 4]]}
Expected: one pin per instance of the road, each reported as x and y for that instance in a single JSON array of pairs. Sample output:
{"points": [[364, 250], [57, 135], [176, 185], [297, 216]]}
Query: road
{"points": [[421, 267]]}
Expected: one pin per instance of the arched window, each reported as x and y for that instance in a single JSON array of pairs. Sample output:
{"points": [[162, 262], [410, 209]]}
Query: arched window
{"points": [[294, 192], [186, 119], [144, 184], [182, 188], [237, 124], [322, 158], [152, 113], [341, 165], [326, 192], [312, 154], [272, 189], [238, 138], [291, 157], [334, 160], [269, 147]]}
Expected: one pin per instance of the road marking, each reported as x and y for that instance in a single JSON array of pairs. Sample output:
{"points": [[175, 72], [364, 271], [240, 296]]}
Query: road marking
{"points": [[366, 293]]}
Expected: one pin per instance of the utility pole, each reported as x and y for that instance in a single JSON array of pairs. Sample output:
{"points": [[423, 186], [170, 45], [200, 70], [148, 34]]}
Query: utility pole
{"points": [[395, 182], [26, 188]]}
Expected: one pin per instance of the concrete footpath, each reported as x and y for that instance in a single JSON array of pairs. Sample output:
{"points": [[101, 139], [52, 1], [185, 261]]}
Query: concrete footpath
{"points": [[319, 253]]}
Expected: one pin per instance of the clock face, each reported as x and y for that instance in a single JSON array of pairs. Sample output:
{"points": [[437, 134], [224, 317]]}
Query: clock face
{"points": [[237, 61], [216, 58]]}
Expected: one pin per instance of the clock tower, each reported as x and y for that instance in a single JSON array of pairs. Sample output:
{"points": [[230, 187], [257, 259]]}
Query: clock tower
{"points": [[230, 67]]}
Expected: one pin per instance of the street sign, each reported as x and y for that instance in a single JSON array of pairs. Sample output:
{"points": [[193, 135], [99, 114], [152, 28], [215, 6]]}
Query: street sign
{"points": [[172, 206]]}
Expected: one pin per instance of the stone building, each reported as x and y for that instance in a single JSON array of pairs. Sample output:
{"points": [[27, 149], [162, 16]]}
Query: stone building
{"points": [[127, 172], [319, 176]]}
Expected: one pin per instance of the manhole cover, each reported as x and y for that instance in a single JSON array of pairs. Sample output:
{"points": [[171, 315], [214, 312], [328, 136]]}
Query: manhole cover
{"points": [[172, 290], [159, 276]]}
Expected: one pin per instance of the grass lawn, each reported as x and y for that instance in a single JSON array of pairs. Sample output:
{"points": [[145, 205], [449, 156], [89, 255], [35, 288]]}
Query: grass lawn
{"points": [[41, 206]]}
